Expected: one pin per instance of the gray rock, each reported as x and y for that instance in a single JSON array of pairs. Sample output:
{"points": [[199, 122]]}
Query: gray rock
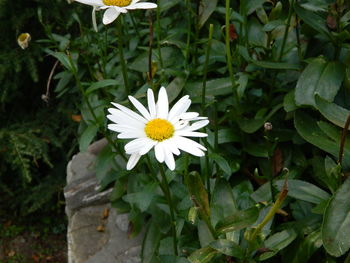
{"points": [[94, 235]]}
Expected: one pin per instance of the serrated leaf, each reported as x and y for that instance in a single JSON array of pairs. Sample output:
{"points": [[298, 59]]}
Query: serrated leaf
{"points": [[336, 222]]}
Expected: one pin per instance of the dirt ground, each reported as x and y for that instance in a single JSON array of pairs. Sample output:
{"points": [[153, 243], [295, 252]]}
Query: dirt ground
{"points": [[33, 247]]}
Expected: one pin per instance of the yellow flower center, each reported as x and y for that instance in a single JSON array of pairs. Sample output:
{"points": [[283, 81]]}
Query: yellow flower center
{"points": [[119, 3], [159, 130]]}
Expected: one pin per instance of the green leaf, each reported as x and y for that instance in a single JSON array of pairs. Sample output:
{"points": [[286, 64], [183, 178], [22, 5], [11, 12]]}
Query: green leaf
{"points": [[308, 129], [175, 87], [101, 84], [87, 136], [336, 222], [63, 58], [206, 8], [227, 248], [289, 102], [202, 255], [319, 77], [198, 192], [150, 243], [142, 199], [252, 125], [251, 5], [275, 65], [332, 112], [277, 242], [223, 164], [313, 20], [304, 191], [266, 64], [238, 220], [304, 249], [215, 87]]}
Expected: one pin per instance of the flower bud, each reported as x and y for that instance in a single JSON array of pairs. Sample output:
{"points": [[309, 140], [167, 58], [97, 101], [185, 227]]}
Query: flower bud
{"points": [[23, 40]]}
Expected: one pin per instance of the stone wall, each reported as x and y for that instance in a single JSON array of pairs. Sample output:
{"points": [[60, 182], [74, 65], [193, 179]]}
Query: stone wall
{"points": [[96, 233]]}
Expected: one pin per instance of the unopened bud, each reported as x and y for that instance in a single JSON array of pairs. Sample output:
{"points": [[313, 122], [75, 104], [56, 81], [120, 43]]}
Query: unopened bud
{"points": [[23, 40], [268, 126]]}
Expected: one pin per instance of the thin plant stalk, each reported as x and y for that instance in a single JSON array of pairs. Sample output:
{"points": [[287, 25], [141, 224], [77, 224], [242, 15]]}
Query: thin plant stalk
{"points": [[276, 206], [285, 36], [228, 50], [171, 207], [121, 54], [159, 37], [343, 139], [205, 73], [188, 41], [150, 67]]}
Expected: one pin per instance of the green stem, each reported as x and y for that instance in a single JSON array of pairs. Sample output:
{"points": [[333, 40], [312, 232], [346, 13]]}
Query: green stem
{"points": [[228, 51], [188, 41], [121, 55], [159, 42], [276, 206], [286, 30], [134, 25], [205, 73], [171, 207]]}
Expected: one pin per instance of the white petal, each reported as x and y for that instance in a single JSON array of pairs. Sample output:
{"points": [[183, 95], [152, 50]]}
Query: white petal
{"points": [[190, 146], [135, 145], [190, 133], [181, 110], [181, 125], [134, 158], [140, 107], [130, 112], [91, 2], [110, 15], [169, 159], [121, 128], [189, 115], [131, 135], [151, 103], [197, 125], [162, 104], [121, 9], [159, 152], [172, 146], [141, 6], [119, 117], [147, 147], [177, 107]]}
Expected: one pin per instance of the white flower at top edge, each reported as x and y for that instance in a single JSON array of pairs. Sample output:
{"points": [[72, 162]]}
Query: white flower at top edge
{"points": [[115, 7], [158, 127]]}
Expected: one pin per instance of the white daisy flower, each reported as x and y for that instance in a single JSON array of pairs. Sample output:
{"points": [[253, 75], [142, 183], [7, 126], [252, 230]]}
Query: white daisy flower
{"points": [[158, 128], [115, 7]]}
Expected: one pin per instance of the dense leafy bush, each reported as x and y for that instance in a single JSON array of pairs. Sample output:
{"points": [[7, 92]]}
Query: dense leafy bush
{"points": [[273, 78]]}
